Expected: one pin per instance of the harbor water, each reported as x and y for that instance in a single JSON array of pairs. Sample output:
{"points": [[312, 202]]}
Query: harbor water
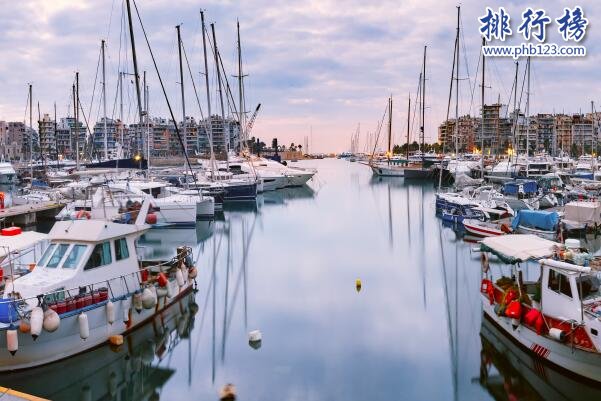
{"points": [[288, 265]]}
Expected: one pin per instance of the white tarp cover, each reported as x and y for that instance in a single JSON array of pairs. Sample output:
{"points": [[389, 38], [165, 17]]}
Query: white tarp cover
{"points": [[514, 248], [19, 242], [583, 212]]}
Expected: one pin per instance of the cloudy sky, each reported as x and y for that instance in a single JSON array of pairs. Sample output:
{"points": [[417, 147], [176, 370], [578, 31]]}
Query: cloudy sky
{"points": [[319, 65]]}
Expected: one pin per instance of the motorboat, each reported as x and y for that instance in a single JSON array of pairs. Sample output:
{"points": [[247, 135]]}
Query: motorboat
{"points": [[87, 287], [8, 175]]}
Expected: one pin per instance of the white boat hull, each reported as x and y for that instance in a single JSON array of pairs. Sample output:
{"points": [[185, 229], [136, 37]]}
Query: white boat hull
{"points": [[387, 171]]}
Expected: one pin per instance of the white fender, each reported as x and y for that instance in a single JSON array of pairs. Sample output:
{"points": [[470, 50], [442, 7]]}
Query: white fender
{"points": [[84, 328], [179, 277], [148, 299], [36, 321], [138, 301], [126, 305], [51, 321], [12, 340], [110, 312]]}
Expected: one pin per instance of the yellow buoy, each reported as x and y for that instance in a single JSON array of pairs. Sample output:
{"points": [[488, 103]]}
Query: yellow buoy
{"points": [[116, 339], [358, 285]]}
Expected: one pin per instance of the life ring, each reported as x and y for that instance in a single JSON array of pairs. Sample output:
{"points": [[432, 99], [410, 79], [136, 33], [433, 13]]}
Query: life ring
{"points": [[83, 214]]}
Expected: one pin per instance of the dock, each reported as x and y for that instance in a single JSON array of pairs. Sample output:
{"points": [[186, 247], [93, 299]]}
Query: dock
{"points": [[13, 395], [28, 214]]}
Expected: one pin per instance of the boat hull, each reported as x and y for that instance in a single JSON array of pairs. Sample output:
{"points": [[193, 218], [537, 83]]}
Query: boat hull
{"points": [[574, 360], [388, 171], [66, 341], [474, 228]]}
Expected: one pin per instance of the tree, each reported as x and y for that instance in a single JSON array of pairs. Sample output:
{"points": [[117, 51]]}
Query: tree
{"points": [[300, 148], [292, 147]]}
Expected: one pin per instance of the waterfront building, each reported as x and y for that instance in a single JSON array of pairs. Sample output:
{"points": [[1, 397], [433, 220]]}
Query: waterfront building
{"points": [[47, 136]]}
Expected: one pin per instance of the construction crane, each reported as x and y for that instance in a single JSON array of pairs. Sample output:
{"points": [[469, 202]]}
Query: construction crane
{"points": [[249, 125]]}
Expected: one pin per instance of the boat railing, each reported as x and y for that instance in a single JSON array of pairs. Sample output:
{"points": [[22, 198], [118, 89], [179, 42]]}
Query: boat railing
{"points": [[98, 293]]}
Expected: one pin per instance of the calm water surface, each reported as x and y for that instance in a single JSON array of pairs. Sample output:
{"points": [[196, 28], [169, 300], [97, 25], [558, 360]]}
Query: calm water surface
{"points": [[287, 266]]}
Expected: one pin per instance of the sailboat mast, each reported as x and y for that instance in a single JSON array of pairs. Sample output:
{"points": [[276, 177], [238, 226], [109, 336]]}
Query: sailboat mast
{"points": [[216, 54], [55, 136], [240, 89], [592, 127], [408, 125], [457, 87], [106, 150], [136, 75], [31, 130], [515, 112], [121, 106], [181, 76], [482, 123], [528, 119], [77, 119], [423, 96], [209, 128], [388, 154], [75, 124]]}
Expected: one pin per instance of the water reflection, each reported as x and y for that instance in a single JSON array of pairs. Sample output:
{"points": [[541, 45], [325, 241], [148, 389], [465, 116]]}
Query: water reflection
{"points": [[137, 370]]}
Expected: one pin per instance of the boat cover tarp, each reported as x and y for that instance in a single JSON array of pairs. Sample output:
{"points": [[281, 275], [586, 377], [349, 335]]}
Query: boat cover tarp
{"points": [[516, 248], [539, 219], [463, 180], [515, 187], [583, 212]]}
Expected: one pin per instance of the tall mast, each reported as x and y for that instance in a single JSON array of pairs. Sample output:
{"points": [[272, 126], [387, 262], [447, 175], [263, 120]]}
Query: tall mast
{"points": [[482, 123], [75, 124], [528, 118], [209, 128], [56, 136], [408, 124], [225, 137], [592, 127], [457, 88], [136, 75], [181, 75], [389, 128], [77, 118], [106, 147], [515, 112], [31, 130], [240, 89], [121, 105], [423, 105]]}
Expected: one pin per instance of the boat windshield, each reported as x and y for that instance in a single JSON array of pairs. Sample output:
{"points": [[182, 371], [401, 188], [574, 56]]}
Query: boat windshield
{"points": [[589, 286], [74, 256], [57, 256], [47, 254]]}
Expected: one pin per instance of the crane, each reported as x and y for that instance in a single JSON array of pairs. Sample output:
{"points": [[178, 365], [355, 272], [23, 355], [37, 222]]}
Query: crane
{"points": [[251, 122]]}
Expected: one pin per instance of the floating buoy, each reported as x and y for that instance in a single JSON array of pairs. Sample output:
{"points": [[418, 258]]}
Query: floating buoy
{"points": [[51, 321], [117, 339], [110, 312], [255, 335], [179, 277], [138, 301], [12, 340], [358, 285], [36, 321], [24, 326], [162, 279], [227, 392], [151, 218], [84, 328], [148, 299], [193, 273], [125, 305]]}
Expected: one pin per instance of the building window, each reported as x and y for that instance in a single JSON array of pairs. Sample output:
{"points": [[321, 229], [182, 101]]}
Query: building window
{"points": [[121, 251], [101, 255]]}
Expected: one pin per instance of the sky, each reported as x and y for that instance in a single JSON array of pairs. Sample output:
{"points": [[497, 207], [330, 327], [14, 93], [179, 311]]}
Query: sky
{"points": [[321, 69]]}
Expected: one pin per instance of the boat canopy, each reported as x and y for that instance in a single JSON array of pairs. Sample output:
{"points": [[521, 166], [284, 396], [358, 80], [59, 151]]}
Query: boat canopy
{"points": [[16, 243], [583, 212], [539, 219], [516, 248]]}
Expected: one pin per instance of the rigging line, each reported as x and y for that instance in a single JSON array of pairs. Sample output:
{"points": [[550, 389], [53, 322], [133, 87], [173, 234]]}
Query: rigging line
{"points": [[444, 142], [179, 137], [193, 83], [108, 33], [378, 130], [83, 113], [473, 88], [95, 81], [415, 105]]}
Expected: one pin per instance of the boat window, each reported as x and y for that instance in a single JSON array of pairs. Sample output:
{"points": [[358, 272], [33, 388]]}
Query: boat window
{"points": [[74, 256], [101, 255], [57, 256], [590, 286], [559, 283], [121, 251], [47, 254]]}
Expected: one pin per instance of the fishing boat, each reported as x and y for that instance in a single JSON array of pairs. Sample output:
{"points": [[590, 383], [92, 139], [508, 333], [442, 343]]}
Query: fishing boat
{"points": [[551, 309], [88, 286]]}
